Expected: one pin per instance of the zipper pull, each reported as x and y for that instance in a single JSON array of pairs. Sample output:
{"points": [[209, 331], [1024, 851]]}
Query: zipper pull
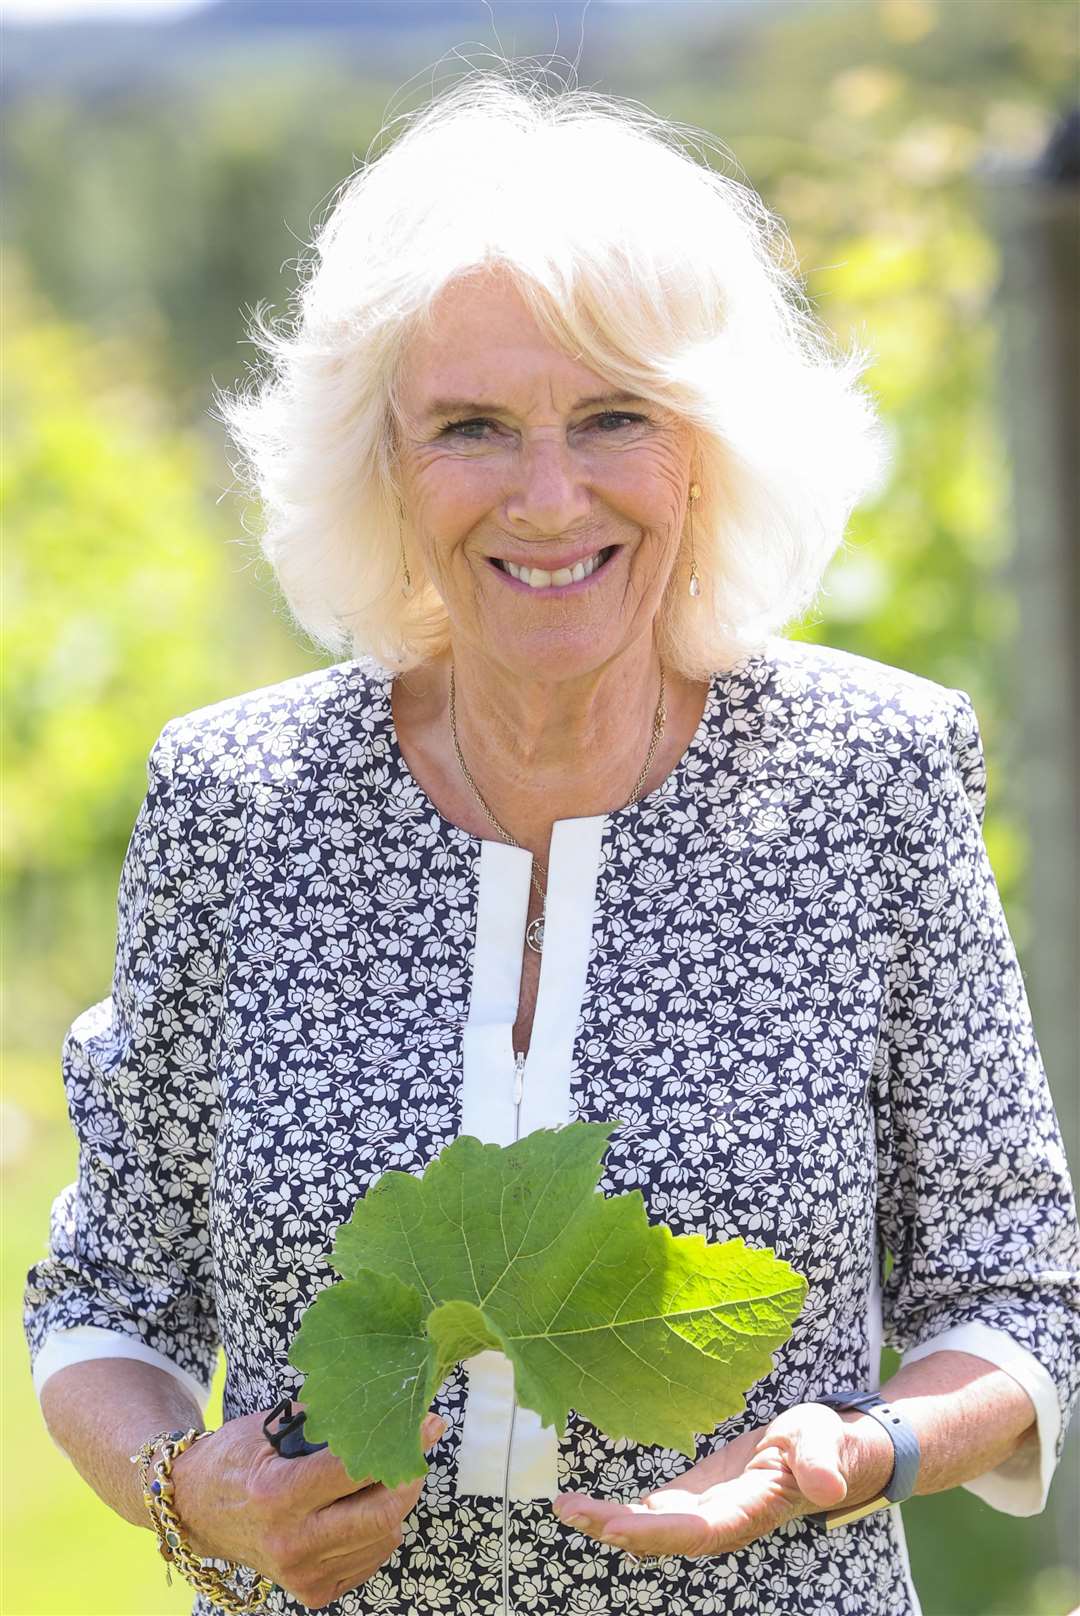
{"points": [[519, 1076]]}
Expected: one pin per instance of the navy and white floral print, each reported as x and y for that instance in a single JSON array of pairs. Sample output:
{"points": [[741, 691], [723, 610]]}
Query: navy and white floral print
{"points": [[798, 992]]}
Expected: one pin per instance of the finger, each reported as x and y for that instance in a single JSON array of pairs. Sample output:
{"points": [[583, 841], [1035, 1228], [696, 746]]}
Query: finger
{"points": [[686, 1535], [821, 1480], [315, 1480], [356, 1525], [597, 1514], [349, 1567], [352, 1567], [588, 1515], [675, 1521], [407, 1497], [726, 1517], [635, 1527], [814, 1439], [311, 1480], [433, 1427], [321, 1479]]}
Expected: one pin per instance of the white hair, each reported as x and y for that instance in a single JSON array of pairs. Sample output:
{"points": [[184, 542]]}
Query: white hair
{"points": [[663, 275]]}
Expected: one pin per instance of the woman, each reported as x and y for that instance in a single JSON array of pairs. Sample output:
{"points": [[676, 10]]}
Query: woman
{"points": [[555, 449]]}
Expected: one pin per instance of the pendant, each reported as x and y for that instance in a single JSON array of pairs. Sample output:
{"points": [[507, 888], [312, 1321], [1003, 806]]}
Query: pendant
{"points": [[534, 934]]}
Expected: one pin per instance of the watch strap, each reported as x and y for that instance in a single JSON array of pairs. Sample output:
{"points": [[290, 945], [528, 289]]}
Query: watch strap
{"points": [[906, 1454]]}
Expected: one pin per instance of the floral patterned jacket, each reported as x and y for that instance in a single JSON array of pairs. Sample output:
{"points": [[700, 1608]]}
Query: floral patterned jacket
{"points": [[786, 970]]}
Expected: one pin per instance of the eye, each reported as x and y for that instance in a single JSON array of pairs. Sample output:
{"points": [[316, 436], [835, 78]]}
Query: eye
{"points": [[474, 429], [612, 421], [456, 429]]}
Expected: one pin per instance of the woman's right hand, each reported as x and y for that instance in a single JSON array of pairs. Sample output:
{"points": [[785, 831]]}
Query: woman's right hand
{"points": [[304, 1523]]}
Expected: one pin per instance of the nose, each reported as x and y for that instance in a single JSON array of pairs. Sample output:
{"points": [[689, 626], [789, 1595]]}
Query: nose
{"points": [[549, 493]]}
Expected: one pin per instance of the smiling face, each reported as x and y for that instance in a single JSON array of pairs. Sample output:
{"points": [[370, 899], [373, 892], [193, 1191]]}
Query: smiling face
{"points": [[521, 467]]}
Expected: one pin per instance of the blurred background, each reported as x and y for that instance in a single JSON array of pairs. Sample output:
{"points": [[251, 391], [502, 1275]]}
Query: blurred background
{"points": [[166, 161]]}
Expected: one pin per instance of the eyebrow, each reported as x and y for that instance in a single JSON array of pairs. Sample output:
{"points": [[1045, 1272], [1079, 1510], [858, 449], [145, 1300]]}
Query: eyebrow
{"points": [[473, 406]]}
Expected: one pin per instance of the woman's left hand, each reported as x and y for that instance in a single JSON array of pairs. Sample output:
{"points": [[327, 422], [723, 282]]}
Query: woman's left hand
{"points": [[802, 1461]]}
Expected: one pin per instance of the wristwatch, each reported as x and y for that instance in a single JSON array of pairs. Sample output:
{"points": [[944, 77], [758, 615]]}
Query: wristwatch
{"points": [[906, 1451]]}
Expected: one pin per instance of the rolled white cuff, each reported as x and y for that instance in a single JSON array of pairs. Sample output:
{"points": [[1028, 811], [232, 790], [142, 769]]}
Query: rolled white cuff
{"points": [[82, 1342], [1020, 1484]]}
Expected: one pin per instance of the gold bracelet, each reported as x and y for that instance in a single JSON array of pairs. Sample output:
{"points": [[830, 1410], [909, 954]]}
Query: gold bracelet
{"points": [[142, 1458], [158, 1498]]}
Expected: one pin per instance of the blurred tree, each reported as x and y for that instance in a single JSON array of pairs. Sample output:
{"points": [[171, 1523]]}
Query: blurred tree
{"points": [[123, 608]]}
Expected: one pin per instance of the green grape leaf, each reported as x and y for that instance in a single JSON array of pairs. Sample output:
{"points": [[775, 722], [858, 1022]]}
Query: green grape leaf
{"points": [[649, 1335]]}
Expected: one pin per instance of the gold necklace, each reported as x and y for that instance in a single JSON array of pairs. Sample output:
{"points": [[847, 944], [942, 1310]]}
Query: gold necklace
{"points": [[534, 935]]}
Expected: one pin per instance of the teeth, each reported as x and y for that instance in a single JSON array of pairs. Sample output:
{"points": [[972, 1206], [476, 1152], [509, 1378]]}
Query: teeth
{"points": [[537, 578]]}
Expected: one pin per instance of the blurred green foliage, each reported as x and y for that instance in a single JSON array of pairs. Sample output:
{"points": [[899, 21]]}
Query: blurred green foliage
{"points": [[138, 228], [127, 602]]}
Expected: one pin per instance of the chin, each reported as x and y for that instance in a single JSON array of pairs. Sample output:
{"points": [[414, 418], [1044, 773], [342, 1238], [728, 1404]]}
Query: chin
{"points": [[552, 655]]}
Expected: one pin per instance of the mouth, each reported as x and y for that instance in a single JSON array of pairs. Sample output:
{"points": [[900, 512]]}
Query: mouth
{"points": [[562, 582]]}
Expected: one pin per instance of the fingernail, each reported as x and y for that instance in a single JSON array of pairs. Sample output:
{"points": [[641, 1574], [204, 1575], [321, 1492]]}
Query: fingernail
{"points": [[578, 1522]]}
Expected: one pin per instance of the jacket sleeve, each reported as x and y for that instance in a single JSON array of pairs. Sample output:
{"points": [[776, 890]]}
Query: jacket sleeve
{"points": [[128, 1269], [975, 1201]]}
